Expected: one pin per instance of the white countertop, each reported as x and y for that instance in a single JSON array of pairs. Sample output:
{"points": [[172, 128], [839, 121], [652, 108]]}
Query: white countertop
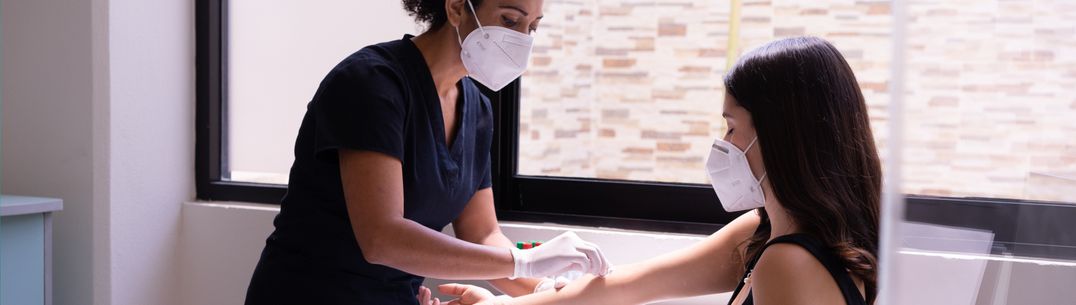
{"points": [[22, 205]]}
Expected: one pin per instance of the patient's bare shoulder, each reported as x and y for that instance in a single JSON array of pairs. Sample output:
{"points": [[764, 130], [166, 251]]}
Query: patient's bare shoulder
{"points": [[789, 274]]}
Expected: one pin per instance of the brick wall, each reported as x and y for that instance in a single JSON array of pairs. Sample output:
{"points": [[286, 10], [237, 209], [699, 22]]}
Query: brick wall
{"points": [[622, 89]]}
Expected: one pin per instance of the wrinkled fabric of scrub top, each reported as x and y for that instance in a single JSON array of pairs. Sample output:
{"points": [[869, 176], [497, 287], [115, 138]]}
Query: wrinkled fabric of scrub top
{"points": [[381, 99]]}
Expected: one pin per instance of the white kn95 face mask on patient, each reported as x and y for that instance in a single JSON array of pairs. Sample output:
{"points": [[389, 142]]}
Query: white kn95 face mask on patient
{"points": [[731, 177]]}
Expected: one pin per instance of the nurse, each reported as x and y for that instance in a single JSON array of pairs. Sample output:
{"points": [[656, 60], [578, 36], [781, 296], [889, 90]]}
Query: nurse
{"points": [[394, 146]]}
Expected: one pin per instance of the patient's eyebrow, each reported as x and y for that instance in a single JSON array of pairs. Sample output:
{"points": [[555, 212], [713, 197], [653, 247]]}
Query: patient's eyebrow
{"points": [[726, 115]]}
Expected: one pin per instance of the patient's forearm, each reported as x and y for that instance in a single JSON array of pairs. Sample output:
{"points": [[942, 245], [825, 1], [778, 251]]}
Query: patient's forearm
{"points": [[594, 290], [712, 265], [703, 268]]}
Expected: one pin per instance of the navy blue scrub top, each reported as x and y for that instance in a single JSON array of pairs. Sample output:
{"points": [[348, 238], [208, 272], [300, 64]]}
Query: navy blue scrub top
{"points": [[381, 99]]}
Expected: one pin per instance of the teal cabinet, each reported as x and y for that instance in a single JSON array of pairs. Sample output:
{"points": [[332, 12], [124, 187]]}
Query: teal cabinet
{"points": [[26, 249]]}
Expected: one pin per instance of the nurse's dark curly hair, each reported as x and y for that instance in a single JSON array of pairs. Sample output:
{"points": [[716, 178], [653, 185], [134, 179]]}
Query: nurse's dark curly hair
{"points": [[431, 12], [817, 147]]}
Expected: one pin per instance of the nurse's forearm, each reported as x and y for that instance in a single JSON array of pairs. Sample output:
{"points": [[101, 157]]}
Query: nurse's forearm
{"points": [[517, 287], [410, 247], [374, 195]]}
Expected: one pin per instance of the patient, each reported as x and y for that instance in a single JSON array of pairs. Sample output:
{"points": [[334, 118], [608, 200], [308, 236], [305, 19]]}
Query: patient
{"points": [[800, 155]]}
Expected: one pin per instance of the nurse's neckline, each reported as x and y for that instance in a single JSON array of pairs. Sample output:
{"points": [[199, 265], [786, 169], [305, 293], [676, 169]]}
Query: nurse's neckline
{"points": [[440, 53], [436, 112]]}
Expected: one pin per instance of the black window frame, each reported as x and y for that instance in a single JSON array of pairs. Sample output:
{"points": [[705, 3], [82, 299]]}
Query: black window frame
{"points": [[211, 108], [651, 206]]}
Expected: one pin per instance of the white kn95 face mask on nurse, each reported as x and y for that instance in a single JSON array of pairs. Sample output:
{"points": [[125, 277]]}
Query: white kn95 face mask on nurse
{"points": [[493, 55], [731, 177]]}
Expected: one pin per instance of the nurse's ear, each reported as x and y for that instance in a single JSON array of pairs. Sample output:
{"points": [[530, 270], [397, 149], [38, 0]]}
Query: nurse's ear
{"points": [[457, 12]]}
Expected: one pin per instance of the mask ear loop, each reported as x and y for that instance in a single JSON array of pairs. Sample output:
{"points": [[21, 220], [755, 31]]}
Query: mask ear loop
{"points": [[475, 14], [760, 189], [750, 145], [460, 40], [763, 173]]}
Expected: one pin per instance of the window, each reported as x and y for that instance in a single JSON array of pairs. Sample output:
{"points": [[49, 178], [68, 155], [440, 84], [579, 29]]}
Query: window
{"points": [[633, 91], [259, 64], [611, 124], [990, 113], [277, 53]]}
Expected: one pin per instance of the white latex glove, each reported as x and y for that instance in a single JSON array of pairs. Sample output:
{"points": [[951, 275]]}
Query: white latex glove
{"points": [[564, 253]]}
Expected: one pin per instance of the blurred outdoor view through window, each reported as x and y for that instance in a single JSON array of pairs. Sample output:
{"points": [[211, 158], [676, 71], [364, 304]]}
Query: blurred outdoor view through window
{"points": [[632, 90]]}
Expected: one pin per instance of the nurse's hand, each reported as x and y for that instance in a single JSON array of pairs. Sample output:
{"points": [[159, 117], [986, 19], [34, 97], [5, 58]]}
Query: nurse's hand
{"points": [[558, 256]]}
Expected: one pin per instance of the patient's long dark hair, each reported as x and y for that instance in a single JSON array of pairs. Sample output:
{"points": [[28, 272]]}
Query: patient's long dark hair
{"points": [[817, 147]]}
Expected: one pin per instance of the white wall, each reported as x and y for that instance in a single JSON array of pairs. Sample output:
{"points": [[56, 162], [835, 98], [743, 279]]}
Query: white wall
{"points": [[51, 133], [219, 248], [152, 144], [222, 242], [98, 110], [619, 246]]}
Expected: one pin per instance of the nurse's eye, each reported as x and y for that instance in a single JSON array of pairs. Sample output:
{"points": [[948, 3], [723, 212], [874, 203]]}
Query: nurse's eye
{"points": [[508, 22], [727, 133]]}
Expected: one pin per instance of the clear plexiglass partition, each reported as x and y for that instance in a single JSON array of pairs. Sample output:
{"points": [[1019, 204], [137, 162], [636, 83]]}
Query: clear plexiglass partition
{"points": [[981, 175]]}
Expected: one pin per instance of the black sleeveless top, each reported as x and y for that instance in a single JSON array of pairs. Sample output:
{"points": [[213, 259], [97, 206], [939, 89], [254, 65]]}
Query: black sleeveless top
{"points": [[831, 262]]}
